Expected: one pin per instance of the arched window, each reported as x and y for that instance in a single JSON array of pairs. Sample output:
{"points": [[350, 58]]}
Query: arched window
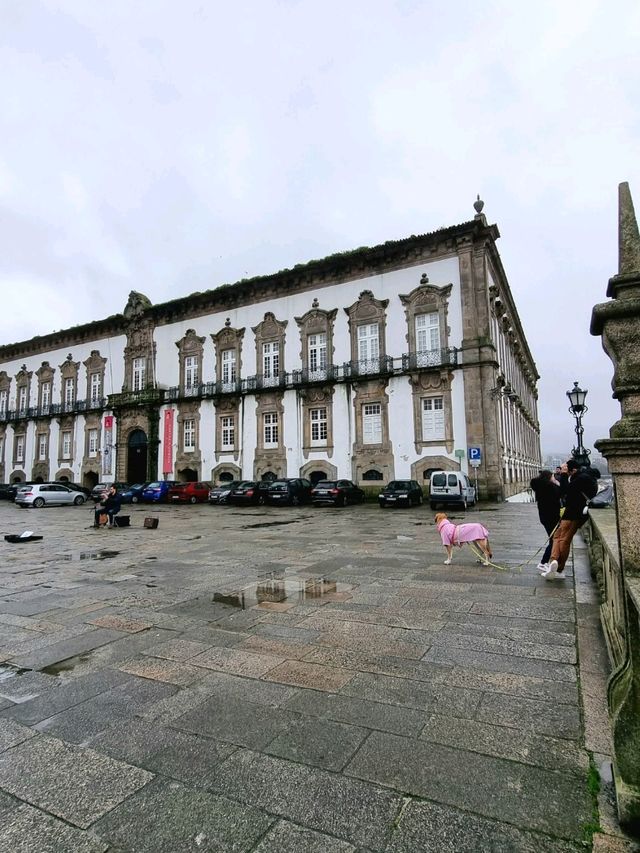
{"points": [[371, 474]]}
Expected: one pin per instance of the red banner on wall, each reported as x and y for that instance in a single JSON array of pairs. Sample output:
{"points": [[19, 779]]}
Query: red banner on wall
{"points": [[108, 421], [167, 443]]}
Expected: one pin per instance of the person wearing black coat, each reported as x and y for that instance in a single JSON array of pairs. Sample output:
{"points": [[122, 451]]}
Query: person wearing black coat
{"points": [[581, 487], [547, 492]]}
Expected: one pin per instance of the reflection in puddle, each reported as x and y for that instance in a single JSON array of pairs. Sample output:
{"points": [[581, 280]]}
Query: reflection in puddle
{"points": [[83, 555], [7, 671], [66, 665], [276, 589]]}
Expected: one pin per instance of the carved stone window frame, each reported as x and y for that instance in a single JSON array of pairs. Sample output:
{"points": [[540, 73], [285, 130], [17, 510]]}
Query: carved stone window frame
{"points": [[69, 370], [270, 330], [225, 408], [20, 431], [432, 383], [23, 380], [270, 458], [95, 365], [427, 299], [67, 424], [45, 373], [190, 345], [188, 410], [376, 456], [366, 310], [92, 422], [5, 385], [317, 397], [316, 321], [140, 344], [228, 338]]}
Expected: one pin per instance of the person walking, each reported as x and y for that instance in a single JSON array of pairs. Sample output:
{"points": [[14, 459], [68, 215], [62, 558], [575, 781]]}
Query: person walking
{"points": [[581, 486], [547, 491]]}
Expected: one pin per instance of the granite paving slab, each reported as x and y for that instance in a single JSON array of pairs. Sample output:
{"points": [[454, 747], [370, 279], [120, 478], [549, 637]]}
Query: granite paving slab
{"points": [[353, 811], [329, 745], [435, 673], [156, 669], [471, 659], [236, 661], [317, 676], [52, 654], [538, 651], [285, 837], [531, 715], [169, 817], [395, 691], [12, 733], [492, 787], [507, 622], [280, 647], [75, 784], [561, 692], [177, 650], [25, 830], [120, 623]]}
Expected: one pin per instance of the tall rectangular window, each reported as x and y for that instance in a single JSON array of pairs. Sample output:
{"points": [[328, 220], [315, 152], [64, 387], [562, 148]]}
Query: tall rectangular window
{"points": [[93, 442], [69, 391], [228, 366], [66, 444], [372, 423], [317, 352], [42, 446], [319, 430], [270, 421], [432, 418], [270, 360], [190, 373], [427, 331], [228, 432], [20, 448], [22, 398], [368, 342], [189, 433], [3, 402], [138, 371], [45, 396], [95, 387]]}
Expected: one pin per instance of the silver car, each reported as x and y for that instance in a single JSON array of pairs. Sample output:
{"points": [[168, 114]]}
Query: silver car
{"points": [[48, 494]]}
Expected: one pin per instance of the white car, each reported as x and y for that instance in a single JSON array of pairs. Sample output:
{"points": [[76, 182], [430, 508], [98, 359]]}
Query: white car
{"points": [[48, 494]]}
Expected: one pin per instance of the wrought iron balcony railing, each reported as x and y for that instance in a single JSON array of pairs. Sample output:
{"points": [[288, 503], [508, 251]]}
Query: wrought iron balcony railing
{"points": [[381, 366], [430, 358], [144, 397]]}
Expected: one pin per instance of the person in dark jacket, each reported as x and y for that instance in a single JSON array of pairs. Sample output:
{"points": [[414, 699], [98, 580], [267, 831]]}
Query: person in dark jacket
{"points": [[110, 505], [581, 487], [547, 492]]}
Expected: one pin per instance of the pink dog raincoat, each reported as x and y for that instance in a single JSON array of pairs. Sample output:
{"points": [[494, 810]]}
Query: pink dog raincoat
{"points": [[456, 534]]}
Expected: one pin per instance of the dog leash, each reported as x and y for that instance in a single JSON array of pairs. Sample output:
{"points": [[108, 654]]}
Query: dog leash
{"points": [[518, 566]]}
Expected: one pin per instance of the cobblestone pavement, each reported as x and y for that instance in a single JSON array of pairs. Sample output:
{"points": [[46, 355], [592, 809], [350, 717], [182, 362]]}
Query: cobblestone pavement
{"points": [[304, 679]]}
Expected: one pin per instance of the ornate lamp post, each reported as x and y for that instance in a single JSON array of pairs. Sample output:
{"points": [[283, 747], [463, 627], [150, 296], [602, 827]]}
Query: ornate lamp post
{"points": [[577, 408]]}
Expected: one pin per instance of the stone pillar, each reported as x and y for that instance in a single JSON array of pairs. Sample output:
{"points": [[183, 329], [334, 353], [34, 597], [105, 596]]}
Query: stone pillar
{"points": [[618, 322]]}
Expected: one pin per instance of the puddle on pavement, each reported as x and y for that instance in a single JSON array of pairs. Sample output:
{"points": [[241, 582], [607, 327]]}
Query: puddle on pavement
{"points": [[101, 554], [67, 665], [7, 671], [274, 523], [277, 589], [402, 538]]}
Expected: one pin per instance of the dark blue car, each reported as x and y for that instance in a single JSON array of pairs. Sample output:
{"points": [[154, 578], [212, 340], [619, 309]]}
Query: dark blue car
{"points": [[132, 494], [157, 492]]}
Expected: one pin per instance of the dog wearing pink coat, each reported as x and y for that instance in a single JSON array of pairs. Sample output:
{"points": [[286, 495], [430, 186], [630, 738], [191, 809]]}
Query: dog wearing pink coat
{"points": [[457, 534]]}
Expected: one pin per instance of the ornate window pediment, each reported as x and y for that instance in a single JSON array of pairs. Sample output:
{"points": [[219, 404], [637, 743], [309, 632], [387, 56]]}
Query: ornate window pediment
{"points": [[367, 327], [426, 310], [191, 349], [316, 338], [270, 338], [228, 347]]}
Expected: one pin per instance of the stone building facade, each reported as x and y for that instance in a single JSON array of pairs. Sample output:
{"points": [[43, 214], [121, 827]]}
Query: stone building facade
{"points": [[382, 363]]}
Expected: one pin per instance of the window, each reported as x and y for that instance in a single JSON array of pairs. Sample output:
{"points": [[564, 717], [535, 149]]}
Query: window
{"points": [[3, 402], [432, 418], [19, 448], [93, 442], [228, 432], [66, 444], [372, 423], [22, 399], [270, 421], [1, 449], [368, 347], [138, 371], [228, 366], [270, 360], [95, 387], [191, 374], [46, 395], [42, 446], [427, 332], [69, 391], [317, 352], [319, 430], [189, 434]]}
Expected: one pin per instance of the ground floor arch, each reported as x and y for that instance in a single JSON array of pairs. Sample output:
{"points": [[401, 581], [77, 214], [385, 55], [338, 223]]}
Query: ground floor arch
{"points": [[188, 475], [64, 475], [319, 470], [225, 473], [422, 469]]}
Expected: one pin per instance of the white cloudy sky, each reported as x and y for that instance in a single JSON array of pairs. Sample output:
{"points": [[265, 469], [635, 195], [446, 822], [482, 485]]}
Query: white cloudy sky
{"points": [[170, 147]]}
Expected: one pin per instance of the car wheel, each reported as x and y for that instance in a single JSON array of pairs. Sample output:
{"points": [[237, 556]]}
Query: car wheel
{"points": [[134, 499], [78, 501], [433, 505], [342, 501], [382, 504], [38, 502], [465, 504], [419, 500], [193, 499], [295, 500]]}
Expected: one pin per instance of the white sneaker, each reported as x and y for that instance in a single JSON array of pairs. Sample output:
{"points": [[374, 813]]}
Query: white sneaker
{"points": [[553, 575], [543, 568], [447, 562]]}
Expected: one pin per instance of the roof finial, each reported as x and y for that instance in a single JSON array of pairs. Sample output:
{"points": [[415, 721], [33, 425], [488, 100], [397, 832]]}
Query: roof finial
{"points": [[478, 204], [628, 237]]}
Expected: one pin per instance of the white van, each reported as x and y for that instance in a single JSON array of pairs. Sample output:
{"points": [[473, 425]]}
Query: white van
{"points": [[451, 487]]}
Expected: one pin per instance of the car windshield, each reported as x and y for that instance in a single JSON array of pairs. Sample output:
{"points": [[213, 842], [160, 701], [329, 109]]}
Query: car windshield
{"points": [[326, 484], [179, 486], [153, 486], [439, 480], [397, 485], [279, 486]]}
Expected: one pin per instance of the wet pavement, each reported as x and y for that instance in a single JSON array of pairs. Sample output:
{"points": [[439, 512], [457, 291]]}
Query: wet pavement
{"points": [[289, 680]]}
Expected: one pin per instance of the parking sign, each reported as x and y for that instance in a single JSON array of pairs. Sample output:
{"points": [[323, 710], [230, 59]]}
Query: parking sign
{"points": [[475, 454]]}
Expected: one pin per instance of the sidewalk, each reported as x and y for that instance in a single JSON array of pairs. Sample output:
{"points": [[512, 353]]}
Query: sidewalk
{"points": [[294, 680]]}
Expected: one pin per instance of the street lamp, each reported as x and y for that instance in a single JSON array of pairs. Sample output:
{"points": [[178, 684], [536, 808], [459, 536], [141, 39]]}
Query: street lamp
{"points": [[577, 408]]}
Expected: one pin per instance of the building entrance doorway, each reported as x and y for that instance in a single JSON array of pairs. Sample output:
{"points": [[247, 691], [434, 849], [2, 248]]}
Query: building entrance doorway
{"points": [[137, 448]]}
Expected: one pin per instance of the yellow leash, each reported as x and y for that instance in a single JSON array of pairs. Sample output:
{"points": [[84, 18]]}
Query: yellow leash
{"points": [[518, 566]]}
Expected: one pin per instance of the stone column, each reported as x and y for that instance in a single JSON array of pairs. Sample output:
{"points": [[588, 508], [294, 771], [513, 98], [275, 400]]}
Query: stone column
{"points": [[618, 322]]}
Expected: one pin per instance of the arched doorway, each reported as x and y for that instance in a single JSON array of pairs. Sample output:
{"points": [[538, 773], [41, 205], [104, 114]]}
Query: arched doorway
{"points": [[137, 447], [188, 475], [317, 476]]}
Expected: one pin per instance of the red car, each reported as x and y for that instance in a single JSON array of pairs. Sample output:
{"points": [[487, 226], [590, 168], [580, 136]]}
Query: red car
{"points": [[188, 493]]}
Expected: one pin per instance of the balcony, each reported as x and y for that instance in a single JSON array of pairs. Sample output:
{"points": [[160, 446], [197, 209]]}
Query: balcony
{"points": [[381, 366], [430, 358], [264, 383], [144, 397]]}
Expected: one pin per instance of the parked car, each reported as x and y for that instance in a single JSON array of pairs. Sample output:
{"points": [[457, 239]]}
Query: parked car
{"points": [[132, 494], [48, 494], [76, 487], [158, 491], [191, 493], [291, 491], [451, 487], [249, 492], [401, 493], [220, 494], [5, 492], [12, 490], [603, 499], [98, 490], [336, 492]]}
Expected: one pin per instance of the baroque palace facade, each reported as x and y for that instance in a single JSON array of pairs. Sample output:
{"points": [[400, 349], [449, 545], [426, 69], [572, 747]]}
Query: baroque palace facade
{"points": [[382, 363]]}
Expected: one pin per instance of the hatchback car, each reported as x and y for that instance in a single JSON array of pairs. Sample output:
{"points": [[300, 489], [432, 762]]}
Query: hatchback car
{"points": [[98, 491], [336, 492], [220, 494], [290, 491], [48, 494], [158, 491], [249, 492], [401, 493], [191, 493], [132, 494]]}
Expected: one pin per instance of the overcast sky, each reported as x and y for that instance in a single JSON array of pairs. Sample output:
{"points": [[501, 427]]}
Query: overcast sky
{"points": [[171, 147]]}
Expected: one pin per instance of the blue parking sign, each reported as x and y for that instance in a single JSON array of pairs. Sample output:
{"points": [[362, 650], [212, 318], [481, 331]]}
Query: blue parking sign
{"points": [[475, 454]]}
